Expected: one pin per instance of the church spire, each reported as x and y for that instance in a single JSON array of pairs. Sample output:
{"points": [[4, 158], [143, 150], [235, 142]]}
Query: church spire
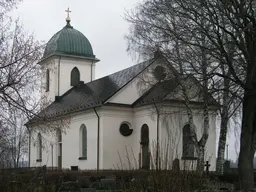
{"points": [[68, 18]]}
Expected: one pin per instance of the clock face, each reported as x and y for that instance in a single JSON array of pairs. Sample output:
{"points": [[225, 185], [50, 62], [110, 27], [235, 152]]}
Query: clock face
{"points": [[160, 73]]}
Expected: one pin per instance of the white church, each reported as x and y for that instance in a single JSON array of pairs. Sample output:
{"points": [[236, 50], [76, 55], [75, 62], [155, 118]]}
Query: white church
{"points": [[117, 121]]}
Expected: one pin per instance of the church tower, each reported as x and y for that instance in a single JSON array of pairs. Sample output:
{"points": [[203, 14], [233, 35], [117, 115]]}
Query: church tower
{"points": [[68, 60]]}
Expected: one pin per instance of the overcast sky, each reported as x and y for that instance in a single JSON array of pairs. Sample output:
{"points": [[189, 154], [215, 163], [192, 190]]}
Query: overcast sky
{"points": [[100, 21]]}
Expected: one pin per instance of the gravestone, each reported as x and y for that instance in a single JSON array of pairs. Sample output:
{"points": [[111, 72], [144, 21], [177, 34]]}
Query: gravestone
{"points": [[226, 166], [108, 183], [44, 169], [84, 181], [88, 190], [96, 185], [176, 165], [69, 187]]}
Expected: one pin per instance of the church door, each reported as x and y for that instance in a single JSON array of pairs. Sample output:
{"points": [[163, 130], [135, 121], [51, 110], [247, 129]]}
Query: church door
{"points": [[144, 141], [59, 148]]}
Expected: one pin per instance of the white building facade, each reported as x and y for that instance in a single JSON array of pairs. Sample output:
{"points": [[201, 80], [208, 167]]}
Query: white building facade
{"points": [[115, 122]]}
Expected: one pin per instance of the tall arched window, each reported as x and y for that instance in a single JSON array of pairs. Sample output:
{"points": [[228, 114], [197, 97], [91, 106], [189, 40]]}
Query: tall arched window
{"points": [[75, 77], [188, 145], [144, 141], [47, 83], [144, 135], [83, 142], [59, 148], [59, 136], [39, 147]]}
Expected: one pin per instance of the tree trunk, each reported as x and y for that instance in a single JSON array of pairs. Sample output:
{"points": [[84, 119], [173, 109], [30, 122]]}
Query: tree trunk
{"points": [[245, 162], [200, 160], [221, 147], [224, 121]]}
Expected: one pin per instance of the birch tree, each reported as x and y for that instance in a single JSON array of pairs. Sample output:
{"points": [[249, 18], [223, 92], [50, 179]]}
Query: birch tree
{"points": [[150, 31], [234, 20]]}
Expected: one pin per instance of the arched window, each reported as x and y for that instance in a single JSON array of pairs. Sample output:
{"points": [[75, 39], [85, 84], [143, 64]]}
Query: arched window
{"points": [[47, 83], [144, 135], [39, 147], [59, 148], [59, 136], [75, 77], [188, 145], [144, 141], [83, 142]]}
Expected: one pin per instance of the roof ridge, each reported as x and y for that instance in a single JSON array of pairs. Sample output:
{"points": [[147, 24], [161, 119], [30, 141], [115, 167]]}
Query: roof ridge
{"points": [[150, 61], [112, 74]]}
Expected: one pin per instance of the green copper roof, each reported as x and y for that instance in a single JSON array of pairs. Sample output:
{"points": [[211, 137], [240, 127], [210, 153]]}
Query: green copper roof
{"points": [[69, 41]]}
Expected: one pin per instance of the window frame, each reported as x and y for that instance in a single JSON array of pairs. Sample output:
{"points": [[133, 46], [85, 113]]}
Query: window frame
{"points": [[74, 76], [39, 148], [83, 142], [47, 81], [186, 154], [123, 132]]}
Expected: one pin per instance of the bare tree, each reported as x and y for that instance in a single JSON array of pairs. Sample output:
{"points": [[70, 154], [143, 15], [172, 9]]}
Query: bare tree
{"points": [[5, 159], [16, 137], [148, 33], [213, 20], [19, 82], [19, 72]]}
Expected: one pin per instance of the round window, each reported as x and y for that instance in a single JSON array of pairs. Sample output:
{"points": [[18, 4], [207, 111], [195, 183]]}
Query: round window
{"points": [[125, 130], [160, 73]]}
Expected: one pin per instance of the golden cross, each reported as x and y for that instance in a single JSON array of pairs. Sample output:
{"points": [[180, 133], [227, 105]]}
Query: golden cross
{"points": [[68, 11]]}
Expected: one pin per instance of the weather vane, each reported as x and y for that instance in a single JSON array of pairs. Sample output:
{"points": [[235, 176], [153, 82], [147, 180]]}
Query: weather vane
{"points": [[68, 18]]}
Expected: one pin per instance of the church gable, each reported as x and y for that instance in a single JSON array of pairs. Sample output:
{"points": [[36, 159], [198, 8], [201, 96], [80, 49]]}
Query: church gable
{"points": [[126, 95], [141, 84]]}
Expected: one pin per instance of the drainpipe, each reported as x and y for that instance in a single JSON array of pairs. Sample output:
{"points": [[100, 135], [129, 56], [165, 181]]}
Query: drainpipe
{"points": [[29, 146], [91, 70], [52, 155], [59, 76], [98, 140], [157, 137]]}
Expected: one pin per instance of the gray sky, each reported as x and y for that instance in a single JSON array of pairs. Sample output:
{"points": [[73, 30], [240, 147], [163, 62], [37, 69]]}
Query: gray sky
{"points": [[99, 20]]}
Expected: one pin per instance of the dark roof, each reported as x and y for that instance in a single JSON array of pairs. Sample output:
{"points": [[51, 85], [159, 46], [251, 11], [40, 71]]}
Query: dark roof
{"points": [[92, 94], [156, 93], [170, 90], [97, 92]]}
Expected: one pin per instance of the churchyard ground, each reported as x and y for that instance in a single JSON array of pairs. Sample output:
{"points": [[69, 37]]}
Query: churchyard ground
{"points": [[47, 180]]}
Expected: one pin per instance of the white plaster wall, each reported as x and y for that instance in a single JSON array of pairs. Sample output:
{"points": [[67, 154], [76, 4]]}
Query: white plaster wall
{"points": [[115, 148], [49, 96], [128, 95], [144, 115], [172, 124], [70, 142], [121, 152], [85, 67], [47, 153], [114, 145]]}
